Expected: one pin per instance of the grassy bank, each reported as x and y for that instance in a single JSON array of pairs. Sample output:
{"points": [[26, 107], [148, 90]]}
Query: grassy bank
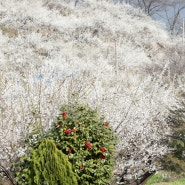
{"points": [[162, 179]]}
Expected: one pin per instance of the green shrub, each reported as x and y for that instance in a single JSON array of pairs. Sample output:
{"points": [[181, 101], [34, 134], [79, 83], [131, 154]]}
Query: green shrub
{"points": [[46, 165], [84, 137], [174, 160], [89, 142]]}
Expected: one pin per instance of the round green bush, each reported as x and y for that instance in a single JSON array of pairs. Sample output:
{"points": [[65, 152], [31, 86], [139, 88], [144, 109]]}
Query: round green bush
{"points": [[83, 135]]}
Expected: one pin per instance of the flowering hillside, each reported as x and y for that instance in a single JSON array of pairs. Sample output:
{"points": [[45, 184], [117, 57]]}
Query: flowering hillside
{"points": [[111, 56]]}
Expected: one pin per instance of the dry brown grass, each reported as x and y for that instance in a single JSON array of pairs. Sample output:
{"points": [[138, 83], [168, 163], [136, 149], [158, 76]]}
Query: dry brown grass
{"points": [[10, 32]]}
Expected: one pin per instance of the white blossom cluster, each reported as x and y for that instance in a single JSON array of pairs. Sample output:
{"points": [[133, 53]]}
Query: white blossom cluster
{"points": [[54, 52]]}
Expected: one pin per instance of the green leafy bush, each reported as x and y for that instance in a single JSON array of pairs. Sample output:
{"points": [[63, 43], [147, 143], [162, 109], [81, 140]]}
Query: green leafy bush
{"points": [[47, 165], [89, 142], [84, 137]]}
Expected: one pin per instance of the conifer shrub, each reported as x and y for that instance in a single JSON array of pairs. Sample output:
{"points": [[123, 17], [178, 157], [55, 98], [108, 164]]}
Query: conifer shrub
{"points": [[46, 166], [174, 160], [88, 141]]}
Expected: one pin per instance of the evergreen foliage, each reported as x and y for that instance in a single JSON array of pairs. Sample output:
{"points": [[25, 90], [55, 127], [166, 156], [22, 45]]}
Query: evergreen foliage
{"points": [[78, 149], [89, 142], [175, 159], [47, 165]]}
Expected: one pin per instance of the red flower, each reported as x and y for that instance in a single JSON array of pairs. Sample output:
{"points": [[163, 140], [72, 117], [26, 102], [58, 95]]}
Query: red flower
{"points": [[81, 167], [88, 145], [68, 131], [102, 149], [103, 157], [58, 125], [106, 124], [64, 114], [69, 150]]}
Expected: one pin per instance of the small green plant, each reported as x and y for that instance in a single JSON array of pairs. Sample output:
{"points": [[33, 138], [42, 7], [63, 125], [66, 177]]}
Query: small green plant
{"points": [[83, 135], [46, 165]]}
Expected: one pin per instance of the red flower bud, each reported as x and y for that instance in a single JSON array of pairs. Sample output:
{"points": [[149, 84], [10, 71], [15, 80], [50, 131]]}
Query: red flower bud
{"points": [[68, 131], [69, 150], [103, 157], [88, 145], [81, 167], [106, 124], [64, 114], [102, 149]]}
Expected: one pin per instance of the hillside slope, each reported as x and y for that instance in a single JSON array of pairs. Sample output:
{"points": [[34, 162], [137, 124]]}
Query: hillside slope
{"points": [[59, 31], [53, 52]]}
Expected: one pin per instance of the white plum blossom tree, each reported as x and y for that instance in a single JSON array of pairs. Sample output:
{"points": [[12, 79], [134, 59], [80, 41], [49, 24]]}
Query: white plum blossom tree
{"points": [[109, 55]]}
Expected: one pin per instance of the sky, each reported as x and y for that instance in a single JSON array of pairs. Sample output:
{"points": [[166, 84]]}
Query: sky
{"points": [[166, 16]]}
